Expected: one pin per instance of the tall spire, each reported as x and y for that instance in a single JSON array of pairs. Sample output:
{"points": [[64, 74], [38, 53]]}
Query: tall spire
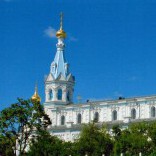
{"points": [[59, 66], [61, 33], [59, 85]]}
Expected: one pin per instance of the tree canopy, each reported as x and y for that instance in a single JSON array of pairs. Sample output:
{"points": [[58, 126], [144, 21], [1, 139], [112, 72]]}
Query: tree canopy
{"points": [[94, 141], [23, 129], [18, 122]]}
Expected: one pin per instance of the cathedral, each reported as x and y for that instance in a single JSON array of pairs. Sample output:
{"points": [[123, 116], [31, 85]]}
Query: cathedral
{"points": [[67, 118]]}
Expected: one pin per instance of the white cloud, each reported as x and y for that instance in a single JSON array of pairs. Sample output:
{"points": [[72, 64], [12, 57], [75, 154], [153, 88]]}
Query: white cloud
{"points": [[50, 32]]}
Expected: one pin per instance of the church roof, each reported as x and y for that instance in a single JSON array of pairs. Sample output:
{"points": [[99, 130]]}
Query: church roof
{"points": [[59, 65]]}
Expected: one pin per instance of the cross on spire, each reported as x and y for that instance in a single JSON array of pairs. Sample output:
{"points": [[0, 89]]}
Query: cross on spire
{"points": [[61, 21], [61, 33], [36, 87]]}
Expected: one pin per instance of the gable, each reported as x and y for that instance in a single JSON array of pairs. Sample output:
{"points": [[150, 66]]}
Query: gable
{"points": [[50, 77]]}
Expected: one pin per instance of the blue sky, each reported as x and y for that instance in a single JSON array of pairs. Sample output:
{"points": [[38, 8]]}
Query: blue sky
{"points": [[111, 47]]}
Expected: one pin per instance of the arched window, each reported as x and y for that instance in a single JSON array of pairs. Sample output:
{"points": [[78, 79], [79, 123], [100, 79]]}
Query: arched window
{"points": [[96, 117], [133, 113], [68, 96], [152, 111], [62, 120], [114, 115], [53, 67], [59, 95], [50, 94], [79, 118]]}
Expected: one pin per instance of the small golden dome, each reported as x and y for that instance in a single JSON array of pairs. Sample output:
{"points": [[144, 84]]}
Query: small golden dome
{"points": [[61, 33], [36, 97]]}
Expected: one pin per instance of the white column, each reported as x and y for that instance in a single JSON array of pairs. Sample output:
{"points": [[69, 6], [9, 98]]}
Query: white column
{"points": [[64, 95], [47, 96], [55, 95]]}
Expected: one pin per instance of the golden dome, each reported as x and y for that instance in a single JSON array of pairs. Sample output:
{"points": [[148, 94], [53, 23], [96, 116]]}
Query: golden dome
{"points": [[36, 97], [61, 33]]}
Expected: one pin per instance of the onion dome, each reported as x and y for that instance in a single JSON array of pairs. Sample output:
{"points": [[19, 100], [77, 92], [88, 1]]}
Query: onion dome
{"points": [[61, 33], [36, 97]]}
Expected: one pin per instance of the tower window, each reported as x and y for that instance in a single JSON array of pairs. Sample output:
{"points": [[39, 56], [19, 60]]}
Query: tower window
{"points": [[79, 118], [62, 120], [59, 96], [133, 113], [96, 117], [114, 115], [68, 96], [66, 68], [50, 94], [152, 111], [53, 67]]}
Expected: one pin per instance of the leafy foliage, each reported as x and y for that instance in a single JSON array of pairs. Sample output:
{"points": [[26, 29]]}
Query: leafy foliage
{"points": [[19, 121], [25, 123], [5, 146], [44, 144], [47, 145], [132, 140], [94, 141]]}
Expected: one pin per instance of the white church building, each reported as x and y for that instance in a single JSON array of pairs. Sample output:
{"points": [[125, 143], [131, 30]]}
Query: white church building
{"points": [[67, 118]]}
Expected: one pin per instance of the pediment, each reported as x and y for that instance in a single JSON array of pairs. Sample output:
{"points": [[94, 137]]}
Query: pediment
{"points": [[61, 77], [50, 77], [70, 78]]}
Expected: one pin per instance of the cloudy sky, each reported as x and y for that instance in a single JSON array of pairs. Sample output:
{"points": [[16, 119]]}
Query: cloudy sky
{"points": [[111, 47]]}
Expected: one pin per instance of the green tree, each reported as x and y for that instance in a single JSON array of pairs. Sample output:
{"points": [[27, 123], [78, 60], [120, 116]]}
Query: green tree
{"points": [[139, 138], [48, 145], [44, 144], [5, 146], [94, 141], [19, 122], [152, 134], [69, 148], [133, 140]]}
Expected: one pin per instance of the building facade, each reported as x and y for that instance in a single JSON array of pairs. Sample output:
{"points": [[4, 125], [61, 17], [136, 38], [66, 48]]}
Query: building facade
{"points": [[67, 118]]}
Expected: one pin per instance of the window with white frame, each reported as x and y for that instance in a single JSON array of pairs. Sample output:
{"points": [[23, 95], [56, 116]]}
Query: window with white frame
{"points": [[133, 113], [114, 115], [59, 94], [79, 118], [50, 94], [68, 96], [62, 120], [152, 111], [96, 117]]}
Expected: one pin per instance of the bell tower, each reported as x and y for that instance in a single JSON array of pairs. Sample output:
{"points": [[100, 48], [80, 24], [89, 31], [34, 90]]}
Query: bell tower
{"points": [[59, 84]]}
